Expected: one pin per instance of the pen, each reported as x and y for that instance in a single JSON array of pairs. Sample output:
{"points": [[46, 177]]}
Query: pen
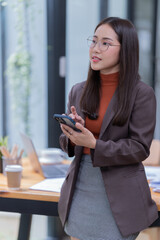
{"points": [[14, 151], [5, 151], [20, 155]]}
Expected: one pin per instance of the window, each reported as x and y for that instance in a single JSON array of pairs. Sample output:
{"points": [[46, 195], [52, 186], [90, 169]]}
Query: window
{"points": [[79, 25], [25, 50], [144, 21]]}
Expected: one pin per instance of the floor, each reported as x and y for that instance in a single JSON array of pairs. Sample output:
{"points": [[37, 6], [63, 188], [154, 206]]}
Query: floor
{"points": [[9, 223]]}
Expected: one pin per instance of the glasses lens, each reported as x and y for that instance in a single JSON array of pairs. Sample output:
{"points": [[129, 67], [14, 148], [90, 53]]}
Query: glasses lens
{"points": [[90, 42], [103, 45]]}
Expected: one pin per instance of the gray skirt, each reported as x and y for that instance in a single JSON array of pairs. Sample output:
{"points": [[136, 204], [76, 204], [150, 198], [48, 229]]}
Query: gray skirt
{"points": [[90, 216]]}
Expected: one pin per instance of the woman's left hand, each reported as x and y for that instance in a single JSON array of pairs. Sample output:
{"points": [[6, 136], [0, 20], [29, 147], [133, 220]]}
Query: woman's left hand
{"points": [[84, 138]]}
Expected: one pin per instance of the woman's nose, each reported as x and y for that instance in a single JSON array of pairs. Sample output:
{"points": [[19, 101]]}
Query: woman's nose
{"points": [[97, 47]]}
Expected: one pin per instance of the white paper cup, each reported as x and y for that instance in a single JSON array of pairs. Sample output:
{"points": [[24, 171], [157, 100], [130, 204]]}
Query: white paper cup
{"points": [[10, 161], [14, 175]]}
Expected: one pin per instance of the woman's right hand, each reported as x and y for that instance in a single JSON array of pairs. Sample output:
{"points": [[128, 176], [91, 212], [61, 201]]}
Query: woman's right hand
{"points": [[74, 115]]}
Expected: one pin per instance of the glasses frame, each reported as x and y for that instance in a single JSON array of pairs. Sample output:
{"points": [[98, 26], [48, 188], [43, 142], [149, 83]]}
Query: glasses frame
{"points": [[90, 39]]}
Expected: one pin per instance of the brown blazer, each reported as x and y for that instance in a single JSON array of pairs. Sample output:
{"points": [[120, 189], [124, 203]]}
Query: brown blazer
{"points": [[119, 153]]}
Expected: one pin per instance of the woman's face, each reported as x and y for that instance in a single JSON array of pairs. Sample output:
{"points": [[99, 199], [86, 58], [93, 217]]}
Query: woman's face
{"points": [[105, 61]]}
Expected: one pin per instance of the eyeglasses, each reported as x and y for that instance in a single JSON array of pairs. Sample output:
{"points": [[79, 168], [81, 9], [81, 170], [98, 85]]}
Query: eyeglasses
{"points": [[103, 44]]}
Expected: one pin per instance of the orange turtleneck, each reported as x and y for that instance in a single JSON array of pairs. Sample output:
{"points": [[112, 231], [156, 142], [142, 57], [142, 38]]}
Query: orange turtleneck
{"points": [[109, 84]]}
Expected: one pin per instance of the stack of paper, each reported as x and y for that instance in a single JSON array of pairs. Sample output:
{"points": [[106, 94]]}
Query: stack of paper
{"points": [[50, 184]]}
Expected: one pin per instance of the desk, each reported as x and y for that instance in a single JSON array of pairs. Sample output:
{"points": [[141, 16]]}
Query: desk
{"points": [[27, 201], [156, 198]]}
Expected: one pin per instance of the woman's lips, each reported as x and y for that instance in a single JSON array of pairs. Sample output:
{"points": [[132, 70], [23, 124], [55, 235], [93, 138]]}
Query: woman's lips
{"points": [[96, 59]]}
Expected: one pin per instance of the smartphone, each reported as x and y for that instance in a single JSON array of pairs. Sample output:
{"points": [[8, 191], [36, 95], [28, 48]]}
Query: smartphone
{"points": [[64, 119]]}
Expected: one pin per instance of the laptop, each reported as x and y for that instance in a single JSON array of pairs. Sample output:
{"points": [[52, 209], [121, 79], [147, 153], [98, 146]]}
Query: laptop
{"points": [[54, 170]]}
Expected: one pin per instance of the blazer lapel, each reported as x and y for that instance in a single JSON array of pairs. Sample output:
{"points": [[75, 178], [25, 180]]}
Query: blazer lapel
{"points": [[109, 113]]}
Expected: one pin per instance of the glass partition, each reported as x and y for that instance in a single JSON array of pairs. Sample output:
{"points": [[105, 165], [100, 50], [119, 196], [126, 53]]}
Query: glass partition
{"points": [[82, 17], [143, 20], [157, 74], [1, 99], [117, 8], [25, 73]]}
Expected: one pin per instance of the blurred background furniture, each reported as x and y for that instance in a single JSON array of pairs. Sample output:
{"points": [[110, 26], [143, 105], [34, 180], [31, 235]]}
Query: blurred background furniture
{"points": [[154, 157]]}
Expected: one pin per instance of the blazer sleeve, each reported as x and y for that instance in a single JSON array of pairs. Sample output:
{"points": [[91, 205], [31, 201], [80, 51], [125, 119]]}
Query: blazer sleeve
{"points": [[135, 148], [65, 143]]}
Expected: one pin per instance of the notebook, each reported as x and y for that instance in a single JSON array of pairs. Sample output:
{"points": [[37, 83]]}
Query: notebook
{"points": [[57, 170]]}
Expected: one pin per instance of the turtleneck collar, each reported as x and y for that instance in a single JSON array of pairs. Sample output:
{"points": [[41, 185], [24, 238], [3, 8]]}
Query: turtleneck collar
{"points": [[109, 79]]}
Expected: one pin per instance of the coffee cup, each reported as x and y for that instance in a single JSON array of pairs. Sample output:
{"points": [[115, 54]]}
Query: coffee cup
{"points": [[10, 161], [14, 175]]}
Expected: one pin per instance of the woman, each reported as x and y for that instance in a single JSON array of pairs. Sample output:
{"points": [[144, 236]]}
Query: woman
{"points": [[105, 195]]}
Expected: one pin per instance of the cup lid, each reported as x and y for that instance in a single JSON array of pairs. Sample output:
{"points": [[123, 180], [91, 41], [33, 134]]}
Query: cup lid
{"points": [[13, 168]]}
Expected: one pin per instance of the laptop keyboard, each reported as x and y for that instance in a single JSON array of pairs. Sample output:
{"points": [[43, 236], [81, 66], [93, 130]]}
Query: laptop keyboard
{"points": [[55, 171]]}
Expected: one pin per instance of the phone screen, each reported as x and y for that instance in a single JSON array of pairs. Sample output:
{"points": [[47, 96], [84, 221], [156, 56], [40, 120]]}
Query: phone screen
{"points": [[67, 121]]}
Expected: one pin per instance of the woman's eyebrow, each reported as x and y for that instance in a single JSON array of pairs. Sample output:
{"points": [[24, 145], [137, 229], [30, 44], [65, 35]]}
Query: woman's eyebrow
{"points": [[105, 38]]}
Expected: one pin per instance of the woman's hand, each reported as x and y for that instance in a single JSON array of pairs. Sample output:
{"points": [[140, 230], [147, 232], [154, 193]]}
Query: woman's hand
{"points": [[84, 138], [74, 115]]}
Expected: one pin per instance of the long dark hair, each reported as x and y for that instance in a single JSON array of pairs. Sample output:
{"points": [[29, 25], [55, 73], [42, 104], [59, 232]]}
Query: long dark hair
{"points": [[128, 73]]}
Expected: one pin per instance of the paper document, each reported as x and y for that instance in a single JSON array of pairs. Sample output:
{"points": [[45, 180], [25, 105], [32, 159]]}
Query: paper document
{"points": [[156, 189], [50, 184]]}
